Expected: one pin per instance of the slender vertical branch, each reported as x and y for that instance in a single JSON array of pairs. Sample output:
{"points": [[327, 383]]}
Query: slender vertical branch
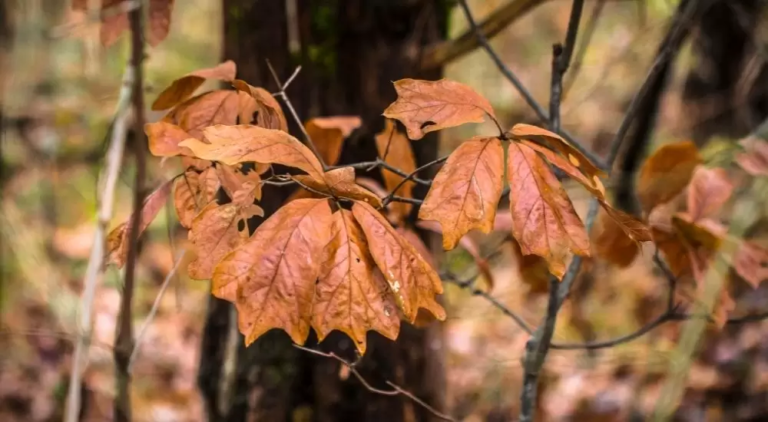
{"points": [[538, 345], [124, 329]]}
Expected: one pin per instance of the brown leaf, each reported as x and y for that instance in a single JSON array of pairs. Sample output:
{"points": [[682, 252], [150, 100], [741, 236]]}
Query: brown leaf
{"points": [[613, 244], [237, 144], [427, 106], [193, 192], [666, 173], [233, 179], [119, 238], [592, 183], [709, 190], [413, 282], [328, 134], [751, 263], [159, 20], [666, 238], [414, 239], [395, 149], [351, 294], [214, 234], [183, 88], [755, 158], [532, 270], [341, 183], [270, 114], [544, 221], [164, 139], [466, 190], [273, 274], [113, 22], [208, 109], [555, 142]]}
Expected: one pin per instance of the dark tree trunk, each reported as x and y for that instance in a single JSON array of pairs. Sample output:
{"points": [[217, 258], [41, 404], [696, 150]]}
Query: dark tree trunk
{"points": [[350, 52]]}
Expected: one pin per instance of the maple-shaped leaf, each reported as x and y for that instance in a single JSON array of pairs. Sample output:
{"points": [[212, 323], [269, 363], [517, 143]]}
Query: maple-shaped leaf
{"points": [[214, 234], [193, 192], [351, 294], [272, 276], [412, 281], [237, 144], [395, 149], [466, 190], [164, 139], [544, 221], [341, 182], [666, 173], [269, 113], [159, 20], [183, 88], [427, 106], [328, 134], [119, 238], [709, 190], [754, 160]]}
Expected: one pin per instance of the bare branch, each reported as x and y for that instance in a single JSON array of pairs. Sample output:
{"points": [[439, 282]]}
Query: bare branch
{"points": [[410, 176]]}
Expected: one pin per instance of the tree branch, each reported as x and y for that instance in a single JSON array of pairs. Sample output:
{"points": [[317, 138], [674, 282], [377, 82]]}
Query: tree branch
{"points": [[410, 176]]}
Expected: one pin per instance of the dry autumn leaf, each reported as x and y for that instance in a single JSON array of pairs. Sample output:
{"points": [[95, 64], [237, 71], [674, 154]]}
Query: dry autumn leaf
{"points": [[412, 281], [271, 278], [427, 106], [119, 238], [213, 235], [351, 294], [751, 263], [164, 139], [159, 20], [709, 190], [193, 192], [328, 134], [466, 190], [544, 221], [666, 173], [233, 179], [210, 108], [269, 113], [113, 21], [612, 244], [341, 183], [237, 144], [395, 149], [183, 88]]}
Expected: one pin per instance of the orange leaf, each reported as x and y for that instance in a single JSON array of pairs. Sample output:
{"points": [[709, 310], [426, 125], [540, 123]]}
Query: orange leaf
{"points": [[755, 158], [214, 234], [272, 276], [183, 88], [270, 114], [341, 182], [710, 189], [164, 139], [328, 134], [666, 173], [233, 179], [666, 238], [159, 20], [119, 238], [617, 241], [592, 183], [555, 142], [208, 109], [237, 144], [413, 282], [427, 106], [193, 192], [351, 294], [113, 24], [544, 221], [466, 190], [415, 240], [751, 263], [395, 149]]}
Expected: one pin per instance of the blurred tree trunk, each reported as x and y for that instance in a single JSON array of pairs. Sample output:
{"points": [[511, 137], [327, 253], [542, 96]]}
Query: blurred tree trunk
{"points": [[350, 52]]}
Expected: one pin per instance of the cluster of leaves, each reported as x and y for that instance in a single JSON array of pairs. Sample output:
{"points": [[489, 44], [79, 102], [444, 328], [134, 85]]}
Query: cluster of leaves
{"points": [[683, 200], [331, 258], [114, 20]]}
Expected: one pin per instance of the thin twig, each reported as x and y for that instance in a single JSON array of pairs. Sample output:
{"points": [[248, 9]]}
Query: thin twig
{"points": [[379, 163], [413, 201], [586, 39], [124, 329], [153, 310], [396, 389], [96, 261], [410, 176]]}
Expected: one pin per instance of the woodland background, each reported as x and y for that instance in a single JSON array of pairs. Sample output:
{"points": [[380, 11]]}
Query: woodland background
{"points": [[59, 87]]}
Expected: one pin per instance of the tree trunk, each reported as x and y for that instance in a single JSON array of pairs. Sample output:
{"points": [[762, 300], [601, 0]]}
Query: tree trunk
{"points": [[350, 52]]}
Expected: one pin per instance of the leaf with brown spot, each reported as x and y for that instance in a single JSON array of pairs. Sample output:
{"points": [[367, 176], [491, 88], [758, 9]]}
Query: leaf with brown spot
{"points": [[237, 144], [466, 190], [351, 294], [754, 160], [412, 281], [395, 149], [273, 274], [341, 182], [193, 192], [119, 238], [164, 139], [214, 234], [666, 173], [270, 114], [427, 106], [751, 263], [183, 88], [709, 190], [328, 134], [159, 20], [544, 221]]}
